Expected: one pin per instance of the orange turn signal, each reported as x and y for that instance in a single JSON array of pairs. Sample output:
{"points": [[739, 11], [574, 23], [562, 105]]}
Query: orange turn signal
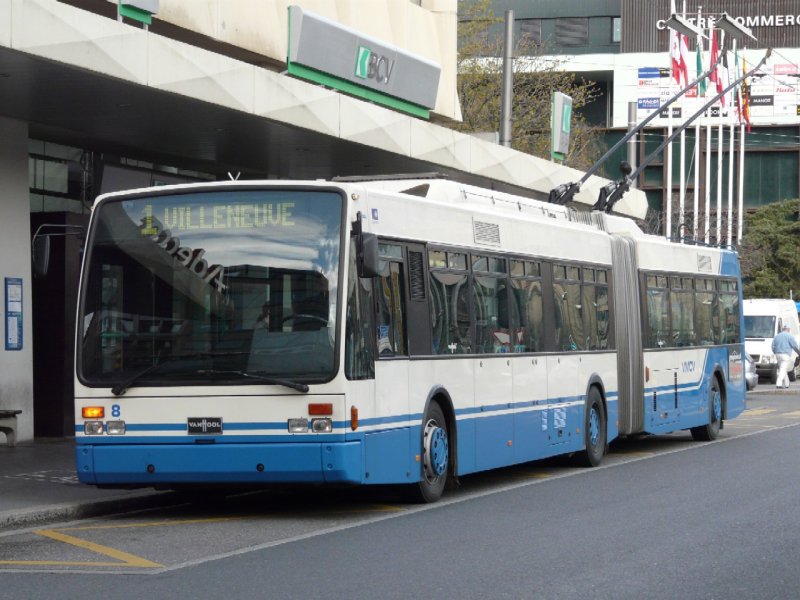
{"points": [[93, 412], [353, 418], [321, 409]]}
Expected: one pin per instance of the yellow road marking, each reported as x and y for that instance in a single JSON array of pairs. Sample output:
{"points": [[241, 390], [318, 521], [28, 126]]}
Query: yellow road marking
{"points": [[795, 413], [757, 412], [537, 475], [152, 524], [125, 559]]}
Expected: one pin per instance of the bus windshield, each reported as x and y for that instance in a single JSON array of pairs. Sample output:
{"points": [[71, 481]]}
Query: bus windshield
{"points": [[759, 326], [215, 286]]}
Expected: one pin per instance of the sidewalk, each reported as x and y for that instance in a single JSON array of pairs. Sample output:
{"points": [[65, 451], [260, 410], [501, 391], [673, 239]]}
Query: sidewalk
{"points": [[38, 484], [765, 387]]}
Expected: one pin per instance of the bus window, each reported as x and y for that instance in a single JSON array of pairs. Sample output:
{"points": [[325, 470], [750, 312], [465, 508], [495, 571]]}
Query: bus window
{"points": [[658, 326], [603, 317], [682, 311], [450, 313], [490, 299], [705, 306], [391, 325], [569, 325], [358, 349], [528, 315], [729, 317]]}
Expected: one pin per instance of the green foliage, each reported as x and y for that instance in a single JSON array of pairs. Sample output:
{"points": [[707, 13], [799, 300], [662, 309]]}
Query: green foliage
{"points": [[770, 251], [536, 77]]}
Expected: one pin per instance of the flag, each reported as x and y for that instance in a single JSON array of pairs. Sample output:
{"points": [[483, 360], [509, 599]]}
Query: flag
{"points": [[679, 53], [723, 80], [738, 95], [702, 84], [684, 65], [675, 49], [745, 97], [713, 76]]}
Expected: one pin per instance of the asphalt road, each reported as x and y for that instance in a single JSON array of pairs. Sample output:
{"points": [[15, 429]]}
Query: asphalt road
{"points": [[664, 517]]}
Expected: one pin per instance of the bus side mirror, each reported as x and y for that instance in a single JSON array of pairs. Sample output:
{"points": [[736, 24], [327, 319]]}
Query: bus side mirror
{"points": [[367, 257], [40, 254]]}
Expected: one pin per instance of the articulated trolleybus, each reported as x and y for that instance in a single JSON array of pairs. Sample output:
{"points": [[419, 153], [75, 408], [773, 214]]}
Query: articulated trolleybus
{"points": [[385, 332]]}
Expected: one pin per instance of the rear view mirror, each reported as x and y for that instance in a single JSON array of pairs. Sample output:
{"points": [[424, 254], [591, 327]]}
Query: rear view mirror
{"points": [[40, 244], [40, 254], [368, 256], [366, 251]]}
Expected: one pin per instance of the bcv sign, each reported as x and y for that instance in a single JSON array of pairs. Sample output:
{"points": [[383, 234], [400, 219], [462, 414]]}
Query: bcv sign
{"points": [[371, 65]]}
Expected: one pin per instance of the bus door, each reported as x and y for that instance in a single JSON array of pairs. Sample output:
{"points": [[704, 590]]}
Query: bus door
{"points": [[389, 450], [568, 339], [494, 408]]}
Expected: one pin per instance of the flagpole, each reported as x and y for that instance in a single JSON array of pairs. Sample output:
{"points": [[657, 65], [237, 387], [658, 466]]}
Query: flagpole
{"points": [[682, 170], [731, 164], [668, 182], [707, 190], [696, 159], [740, 183], [720, 146], [740, 186]]}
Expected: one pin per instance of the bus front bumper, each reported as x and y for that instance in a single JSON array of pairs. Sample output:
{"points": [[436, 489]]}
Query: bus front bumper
{"points": [[234, 463]]}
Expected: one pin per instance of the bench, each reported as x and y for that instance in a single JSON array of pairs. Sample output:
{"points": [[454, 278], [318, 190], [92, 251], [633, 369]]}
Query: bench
{"points": [[8, 425]]}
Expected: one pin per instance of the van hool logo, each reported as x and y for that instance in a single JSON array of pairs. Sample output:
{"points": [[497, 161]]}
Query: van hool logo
{"points": [[204, 425], [370, 65]]}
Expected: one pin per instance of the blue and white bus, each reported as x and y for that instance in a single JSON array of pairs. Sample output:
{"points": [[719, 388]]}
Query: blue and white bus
{"points": [[398, 331]]}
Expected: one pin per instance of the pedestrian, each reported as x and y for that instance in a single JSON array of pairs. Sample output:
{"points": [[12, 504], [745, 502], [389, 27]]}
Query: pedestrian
{"points": [[782, 346]]}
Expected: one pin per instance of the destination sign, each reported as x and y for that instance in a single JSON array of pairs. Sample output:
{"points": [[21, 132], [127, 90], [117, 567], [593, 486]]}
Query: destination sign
{"points": [[220, 216]]}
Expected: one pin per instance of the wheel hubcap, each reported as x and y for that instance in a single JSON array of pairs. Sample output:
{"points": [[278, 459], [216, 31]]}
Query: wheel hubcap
{"points": [[716, 404], [594, 427], [435, 450]]}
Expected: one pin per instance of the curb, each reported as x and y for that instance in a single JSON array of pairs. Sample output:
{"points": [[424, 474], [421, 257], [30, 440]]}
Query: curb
{"points": [[33, 517], [774, 391]]}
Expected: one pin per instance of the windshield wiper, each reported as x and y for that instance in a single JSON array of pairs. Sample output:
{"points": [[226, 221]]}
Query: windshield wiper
{"points": [[122, 387], [300, 387]]}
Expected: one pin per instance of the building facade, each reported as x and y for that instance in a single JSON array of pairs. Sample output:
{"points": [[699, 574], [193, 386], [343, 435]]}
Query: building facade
{"points": [[622, 45], [170, 91]]}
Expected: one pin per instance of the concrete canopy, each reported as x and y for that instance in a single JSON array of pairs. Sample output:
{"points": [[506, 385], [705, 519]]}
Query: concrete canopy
{"points": [[82, 79]]}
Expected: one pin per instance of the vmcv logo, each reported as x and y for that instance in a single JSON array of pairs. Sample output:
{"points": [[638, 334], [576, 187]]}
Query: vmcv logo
{"points": [[370, 65]]}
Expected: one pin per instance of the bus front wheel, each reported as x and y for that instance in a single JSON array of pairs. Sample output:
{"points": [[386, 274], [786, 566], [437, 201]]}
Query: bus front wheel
{"points": [[710, 431], [435, 455]]}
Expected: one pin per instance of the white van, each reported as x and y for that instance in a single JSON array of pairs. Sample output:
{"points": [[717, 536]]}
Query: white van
{"points": [[763, 320]]}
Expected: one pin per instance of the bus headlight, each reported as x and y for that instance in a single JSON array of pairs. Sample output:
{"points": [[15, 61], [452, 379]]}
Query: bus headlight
{"points": [[93, 427], [298, 425], [115, 427], [321, 425]]}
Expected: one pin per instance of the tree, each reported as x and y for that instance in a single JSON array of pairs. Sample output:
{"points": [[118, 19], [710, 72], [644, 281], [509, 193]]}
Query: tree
{"points": [[536, 77], [769, 251]]}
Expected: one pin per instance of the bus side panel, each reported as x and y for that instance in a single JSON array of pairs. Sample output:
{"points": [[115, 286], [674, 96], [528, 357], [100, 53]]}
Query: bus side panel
{"points": [[494, 417], [677, 394], [154, 464], [454, 376], [530, 400], [389, 458]]}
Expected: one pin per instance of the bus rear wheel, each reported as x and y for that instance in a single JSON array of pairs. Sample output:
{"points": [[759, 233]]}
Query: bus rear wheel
{"points": [[594, 430], [435, 455], [710, 431]]}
